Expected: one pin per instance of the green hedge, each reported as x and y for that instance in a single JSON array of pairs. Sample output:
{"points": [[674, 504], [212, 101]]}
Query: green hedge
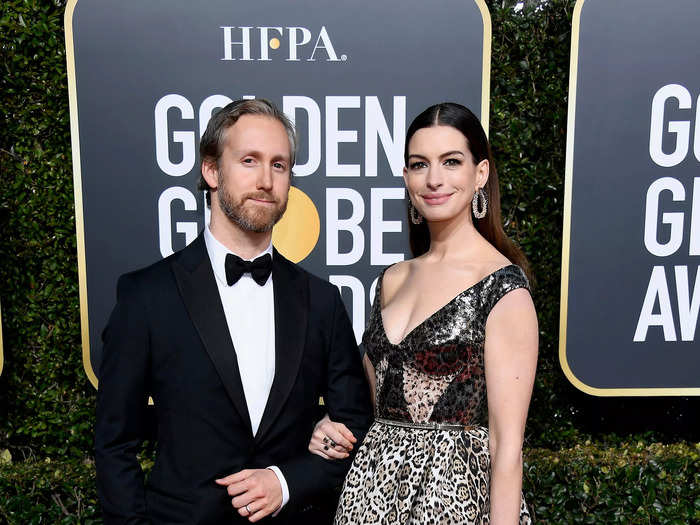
{"points": [[49, 491], [631, 483], [46, 402]]}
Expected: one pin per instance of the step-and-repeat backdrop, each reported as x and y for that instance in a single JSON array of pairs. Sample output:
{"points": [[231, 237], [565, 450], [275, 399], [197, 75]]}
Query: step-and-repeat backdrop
{"points": [[631, 247], [145, 77]]}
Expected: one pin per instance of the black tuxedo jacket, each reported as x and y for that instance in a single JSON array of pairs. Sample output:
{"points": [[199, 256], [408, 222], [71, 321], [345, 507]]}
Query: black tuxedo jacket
{"points": [[168, 338]]}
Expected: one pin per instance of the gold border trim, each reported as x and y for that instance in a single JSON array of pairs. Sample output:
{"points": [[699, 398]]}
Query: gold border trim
{"points": [[78, 191], [566, 242], [486, 66]]}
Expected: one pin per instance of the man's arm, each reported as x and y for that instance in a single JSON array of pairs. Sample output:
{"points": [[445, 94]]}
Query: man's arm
{"points": [[332, 440], [347, 400], [122, 400]]}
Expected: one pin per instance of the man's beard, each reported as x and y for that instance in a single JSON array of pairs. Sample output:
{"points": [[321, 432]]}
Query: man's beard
{"points": [[259, 220]]}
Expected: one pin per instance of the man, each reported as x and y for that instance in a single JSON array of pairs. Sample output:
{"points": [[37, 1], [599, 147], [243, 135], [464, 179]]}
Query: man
{"points": [[235, 357]]}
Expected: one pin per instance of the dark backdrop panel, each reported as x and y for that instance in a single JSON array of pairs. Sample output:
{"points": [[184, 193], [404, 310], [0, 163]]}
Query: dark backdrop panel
{"points": [[128, 56], [627, 51]]}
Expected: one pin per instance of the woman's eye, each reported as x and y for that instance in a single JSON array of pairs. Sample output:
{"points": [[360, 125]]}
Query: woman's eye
{"points": [[452, 162], [417, 165]]}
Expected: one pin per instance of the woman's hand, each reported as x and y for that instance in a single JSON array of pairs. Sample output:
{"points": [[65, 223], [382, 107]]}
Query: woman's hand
{"points": [[331, 440]]}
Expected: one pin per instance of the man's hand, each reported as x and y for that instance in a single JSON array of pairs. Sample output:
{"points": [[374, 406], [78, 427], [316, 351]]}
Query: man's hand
{"points": [[256, 493]]}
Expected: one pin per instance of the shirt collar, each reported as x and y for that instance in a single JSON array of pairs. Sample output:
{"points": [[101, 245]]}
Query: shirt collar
{"points": [[217, 254]]}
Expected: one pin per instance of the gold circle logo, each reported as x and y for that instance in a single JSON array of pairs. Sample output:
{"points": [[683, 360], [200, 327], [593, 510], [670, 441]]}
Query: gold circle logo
{"points": [[274, 43], [296, 234]]}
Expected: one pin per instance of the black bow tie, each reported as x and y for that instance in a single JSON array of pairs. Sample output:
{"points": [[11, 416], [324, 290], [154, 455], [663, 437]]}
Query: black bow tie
{"points": [[259, 269]]}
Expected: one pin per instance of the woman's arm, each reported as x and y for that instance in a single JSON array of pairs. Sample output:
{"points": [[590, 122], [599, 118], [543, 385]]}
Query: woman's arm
{"points": [[332, 440], [510, 360]]}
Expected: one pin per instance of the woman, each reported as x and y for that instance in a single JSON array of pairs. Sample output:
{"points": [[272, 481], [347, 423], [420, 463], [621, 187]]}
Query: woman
{"points": [[451, 345]]}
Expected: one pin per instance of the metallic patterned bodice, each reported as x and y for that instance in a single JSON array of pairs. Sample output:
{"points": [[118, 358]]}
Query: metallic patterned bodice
{"points": [[437, 372]]}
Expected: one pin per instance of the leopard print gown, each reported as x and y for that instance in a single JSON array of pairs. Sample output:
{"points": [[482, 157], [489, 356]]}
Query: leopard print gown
{"points": [[436, 374]]}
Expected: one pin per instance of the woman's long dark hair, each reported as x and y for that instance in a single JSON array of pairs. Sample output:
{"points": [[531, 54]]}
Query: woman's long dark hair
{"points": [[490, 227]]}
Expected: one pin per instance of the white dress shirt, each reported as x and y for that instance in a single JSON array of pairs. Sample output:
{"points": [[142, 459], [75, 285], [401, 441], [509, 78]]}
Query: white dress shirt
{"points": [[250, 316]]}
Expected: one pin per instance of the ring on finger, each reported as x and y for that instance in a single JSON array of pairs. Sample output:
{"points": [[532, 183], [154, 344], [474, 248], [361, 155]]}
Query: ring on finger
{"points": [[248, 508], [333, 443], [325, 439]]}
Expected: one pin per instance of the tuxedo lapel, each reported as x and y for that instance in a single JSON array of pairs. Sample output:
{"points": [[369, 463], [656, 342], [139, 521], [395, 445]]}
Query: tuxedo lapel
{"points": [[197, 285], [291, 298]]}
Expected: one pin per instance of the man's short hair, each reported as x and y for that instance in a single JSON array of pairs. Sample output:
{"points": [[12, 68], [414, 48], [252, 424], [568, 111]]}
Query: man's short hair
{"points": [[212, 143]]}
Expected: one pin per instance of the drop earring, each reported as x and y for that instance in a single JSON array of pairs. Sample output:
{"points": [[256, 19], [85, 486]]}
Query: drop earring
{"points": [[479, 204], [416, 218]]}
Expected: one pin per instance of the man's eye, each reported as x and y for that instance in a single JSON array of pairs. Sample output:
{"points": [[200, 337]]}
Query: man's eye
{"points": [[248, 161], [279, 166]]}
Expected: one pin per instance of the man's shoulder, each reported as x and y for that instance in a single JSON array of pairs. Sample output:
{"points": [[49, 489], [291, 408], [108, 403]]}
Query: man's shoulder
{"points": [[148, 273], [158, 273], [317, 285]]}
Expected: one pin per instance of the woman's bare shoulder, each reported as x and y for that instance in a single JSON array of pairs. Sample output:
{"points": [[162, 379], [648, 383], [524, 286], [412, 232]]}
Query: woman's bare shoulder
{"points": [[393, 279]]}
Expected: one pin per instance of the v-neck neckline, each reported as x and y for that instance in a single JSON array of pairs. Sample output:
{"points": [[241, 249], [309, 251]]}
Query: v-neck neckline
{"points": [[448, 303]]}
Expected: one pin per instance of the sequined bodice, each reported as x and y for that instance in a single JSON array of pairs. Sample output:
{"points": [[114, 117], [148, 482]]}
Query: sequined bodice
{"points": [[436, 373]]}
